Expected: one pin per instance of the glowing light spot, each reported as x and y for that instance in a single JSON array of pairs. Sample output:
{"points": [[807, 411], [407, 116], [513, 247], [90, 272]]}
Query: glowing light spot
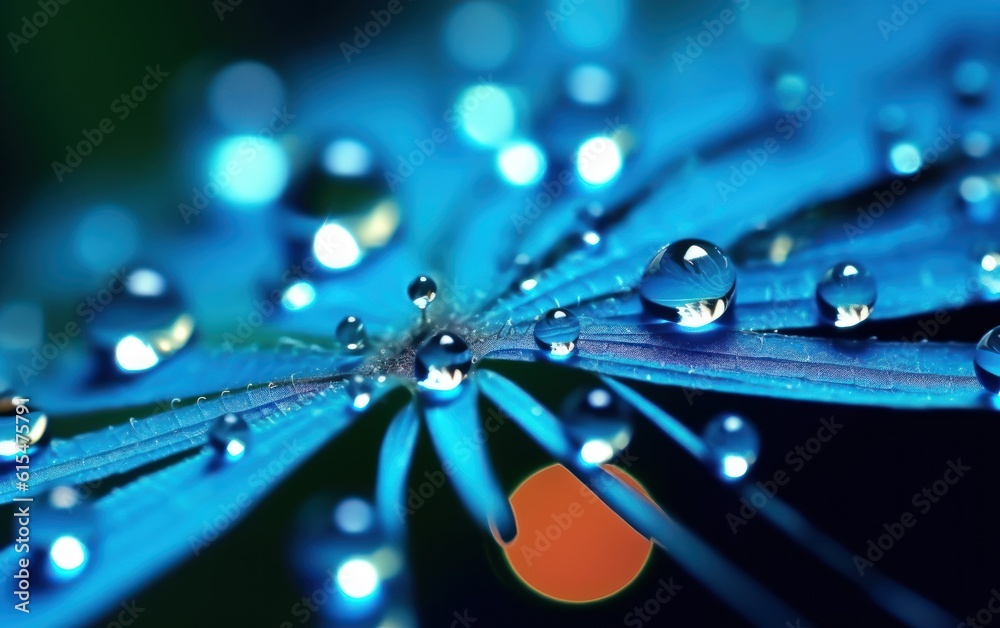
{"points": [[572, 549], [248, 170], [529, 284], [244, 95], [599, 160], [597, 451], [480, 35], [68, 554], [592, 238], [905, 159], [732, 423], [347, 158], [594, 25], [146, 282], [521, 163], [132, 354], [353, 515], [977, 144], [357, 578], [734, 466], [235, 448], [849, 270], [486, 113], [990, 262], [298, 295], [362, 401], [335, 247], [974, 189], [599, 398], [591, 84]]}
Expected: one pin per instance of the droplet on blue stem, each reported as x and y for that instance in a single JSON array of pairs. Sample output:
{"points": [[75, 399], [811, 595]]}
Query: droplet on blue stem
{"points": [[846, 294], [229, 436], [987, 361], [557, 332], [359, 391], [64, 526], [689, 282], [351, 333], [442, 363], [598, 421], [422, 291], [733, 445], [144, 322], [23, 427]]}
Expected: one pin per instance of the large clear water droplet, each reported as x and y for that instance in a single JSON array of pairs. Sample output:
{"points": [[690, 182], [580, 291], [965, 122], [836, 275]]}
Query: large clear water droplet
{"points": [[422, 291], [359, 391], [689, 282], [733, 445], [341, 208], [557, 332], [143, 322], [23, 428], [846, 294], [351, 333], [229, 436], [599, 423], [987, 361], [442, 363]]}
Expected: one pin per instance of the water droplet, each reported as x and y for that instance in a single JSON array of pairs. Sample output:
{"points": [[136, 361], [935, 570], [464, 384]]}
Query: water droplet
{"points": [[557, 332], [229, 436], [733, 445], [16, 414], [442, 363], [422, 291], [145, 322], [342, 208], [971, 78], [351, 333], [689, 282], [359, 391], [598, 421], [65, 527], [987, 361], [846, 294]]}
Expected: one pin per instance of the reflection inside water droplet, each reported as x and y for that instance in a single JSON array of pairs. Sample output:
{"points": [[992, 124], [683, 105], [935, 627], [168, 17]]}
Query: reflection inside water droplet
{"points": [[351, 333], [229, 436], [442, 363], [987, 360], [557, 332], [422, 291], [689, 282], [846, 294], [23, 427]]}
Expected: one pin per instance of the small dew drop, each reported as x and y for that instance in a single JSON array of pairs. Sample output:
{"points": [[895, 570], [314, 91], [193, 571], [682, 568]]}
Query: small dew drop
{"points": [[359, 391], [557, 333], [229, 436], [351, 333], [422, 291], [689, 282], [733, 445], [846, 294]]}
